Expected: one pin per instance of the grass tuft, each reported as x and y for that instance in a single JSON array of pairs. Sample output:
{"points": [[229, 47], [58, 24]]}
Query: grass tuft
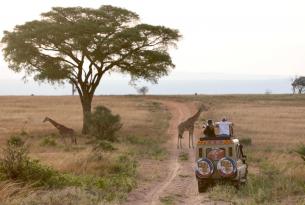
{"points": [[301, 151], [48, 142], [167, 200], [269, 186], [103, 145], [246, 141], [183, 156]]}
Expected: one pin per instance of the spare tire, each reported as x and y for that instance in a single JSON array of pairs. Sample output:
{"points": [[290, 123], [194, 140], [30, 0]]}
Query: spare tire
{"points": [[205, 168], [227, 167]]}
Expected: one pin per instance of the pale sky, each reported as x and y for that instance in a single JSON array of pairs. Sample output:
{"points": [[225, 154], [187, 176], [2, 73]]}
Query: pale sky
{"points": [[259, 37]]}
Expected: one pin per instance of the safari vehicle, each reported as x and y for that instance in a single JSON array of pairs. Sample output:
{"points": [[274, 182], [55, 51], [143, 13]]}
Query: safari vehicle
{"points": [[220, 159]]}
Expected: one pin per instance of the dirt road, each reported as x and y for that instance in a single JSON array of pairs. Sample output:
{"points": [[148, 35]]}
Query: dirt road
{"points": [[178, 184]]}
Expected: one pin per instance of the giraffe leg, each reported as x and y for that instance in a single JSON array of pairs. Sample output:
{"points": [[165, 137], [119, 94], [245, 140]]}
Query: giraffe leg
{"points": [[180, 136], [193, 141], [63, 139], [192, 137], [189, 139], [73, 139], [180, 142]]}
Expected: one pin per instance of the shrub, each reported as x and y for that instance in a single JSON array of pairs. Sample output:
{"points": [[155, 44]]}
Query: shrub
{"points": [[222, 191], [16, 165], [121, 179], [14, 158], [48, 141], [245, 141], [104, 125], [103, 145], [149, 147], [301, 151], [183, 156], [264, 188], [167, 200], [15, 140]]}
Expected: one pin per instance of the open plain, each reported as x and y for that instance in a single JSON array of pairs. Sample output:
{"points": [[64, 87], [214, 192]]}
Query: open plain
{"points": [[273, 126]]}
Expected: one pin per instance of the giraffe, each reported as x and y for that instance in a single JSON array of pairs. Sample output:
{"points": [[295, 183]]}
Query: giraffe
{"points": [[188, 125], [63, 130]]}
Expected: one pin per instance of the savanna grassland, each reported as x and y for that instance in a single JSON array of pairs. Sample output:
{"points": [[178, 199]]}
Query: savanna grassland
{"points": [[85, 176], [270, 126]]}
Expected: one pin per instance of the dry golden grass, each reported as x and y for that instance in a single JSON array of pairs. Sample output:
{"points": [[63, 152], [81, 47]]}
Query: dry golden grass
{"points": [[267, 119], [140, 118], [27, 113], [18, 190], [275, 123]]}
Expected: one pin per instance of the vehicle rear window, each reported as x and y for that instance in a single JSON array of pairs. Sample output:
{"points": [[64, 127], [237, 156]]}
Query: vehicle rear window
{"points": [[210, 149], [223, 150]]}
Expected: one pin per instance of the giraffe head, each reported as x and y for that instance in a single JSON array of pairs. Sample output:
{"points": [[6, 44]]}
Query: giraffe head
{"points": [[45, 119], [202, 108]]}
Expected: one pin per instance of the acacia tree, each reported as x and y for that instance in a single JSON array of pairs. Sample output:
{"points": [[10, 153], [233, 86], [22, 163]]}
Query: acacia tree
{"points": [[82, 44], [298, 84]]}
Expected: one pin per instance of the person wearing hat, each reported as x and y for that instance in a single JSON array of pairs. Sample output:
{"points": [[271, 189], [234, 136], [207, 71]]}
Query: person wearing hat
{"points": [[225, 128], [209, 130]]}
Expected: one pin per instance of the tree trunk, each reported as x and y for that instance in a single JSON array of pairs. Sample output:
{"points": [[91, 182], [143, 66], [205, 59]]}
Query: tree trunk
{"points": [[86, 104]]}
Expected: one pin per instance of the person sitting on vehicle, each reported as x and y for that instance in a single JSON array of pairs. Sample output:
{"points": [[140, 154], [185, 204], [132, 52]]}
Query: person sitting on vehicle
{"points": [[209, 130], [225, 128]]}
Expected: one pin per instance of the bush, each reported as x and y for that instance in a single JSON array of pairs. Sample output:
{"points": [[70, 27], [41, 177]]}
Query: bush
{"points": [[121, 179], [269, 186], [15, 140], [48, 141], [103, 145], [183, 156], [16, 165], [14, 158], [301, 151], [104, 125], [245, 141]]}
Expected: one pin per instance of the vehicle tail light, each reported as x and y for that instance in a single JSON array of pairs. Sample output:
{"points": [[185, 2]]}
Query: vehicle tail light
{"points": [[226, 167]]}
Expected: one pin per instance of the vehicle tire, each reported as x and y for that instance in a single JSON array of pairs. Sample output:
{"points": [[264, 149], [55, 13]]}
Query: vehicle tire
{"points": [[202, 186]]}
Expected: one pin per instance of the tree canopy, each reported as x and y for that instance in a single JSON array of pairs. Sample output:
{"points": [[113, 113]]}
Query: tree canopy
{"points": [[298, 84], [82, 44]]}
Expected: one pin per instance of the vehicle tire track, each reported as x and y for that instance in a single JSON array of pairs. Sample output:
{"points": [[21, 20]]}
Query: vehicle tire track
{"points": [[180, 184], [178, 112]]}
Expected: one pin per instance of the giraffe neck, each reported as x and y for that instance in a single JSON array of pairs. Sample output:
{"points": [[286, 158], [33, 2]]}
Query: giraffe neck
{"points": [[195, 117], [55, 124]]}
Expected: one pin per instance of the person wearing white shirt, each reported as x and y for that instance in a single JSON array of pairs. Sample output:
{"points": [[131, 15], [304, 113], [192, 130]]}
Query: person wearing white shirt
{"points": [[225, 128]]}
